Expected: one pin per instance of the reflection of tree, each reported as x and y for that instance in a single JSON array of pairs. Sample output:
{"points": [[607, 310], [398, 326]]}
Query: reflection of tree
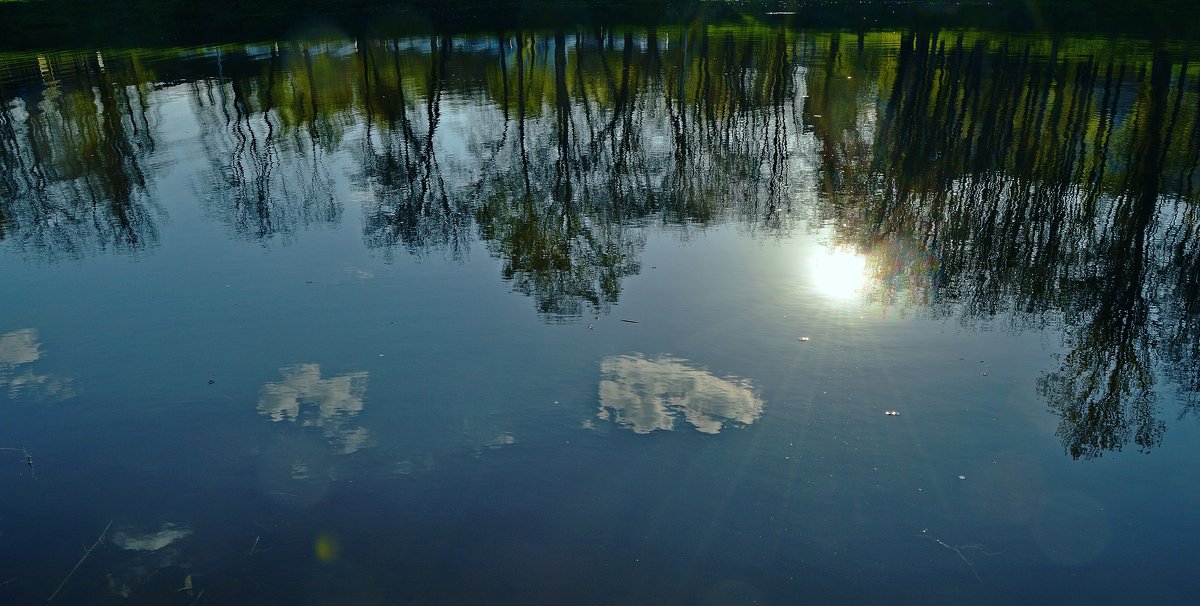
{"points": [[647, 395], [1028, 181], [1104, 391], [265, 134], [733, 138], [1049, 180], [73, 162], [1180, 341], [675, 129], [558, 242], [569, 154], [334, 402], [552, 148], [410, 205]]}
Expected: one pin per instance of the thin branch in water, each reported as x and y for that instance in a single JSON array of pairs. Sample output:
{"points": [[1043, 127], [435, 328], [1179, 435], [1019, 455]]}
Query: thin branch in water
{"points": [[255, 546], [87, 552], [955, 550]]}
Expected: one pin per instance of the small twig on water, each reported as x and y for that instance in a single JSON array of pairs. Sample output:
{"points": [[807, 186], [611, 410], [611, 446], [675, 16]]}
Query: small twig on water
{"points": [[252, 549], [28, 459], [87, 552], [955, 550], [198, 596]]}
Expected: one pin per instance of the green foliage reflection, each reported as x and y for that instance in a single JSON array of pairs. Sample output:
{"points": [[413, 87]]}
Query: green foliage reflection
{"points": [[1053, 188], [1047, 180]]}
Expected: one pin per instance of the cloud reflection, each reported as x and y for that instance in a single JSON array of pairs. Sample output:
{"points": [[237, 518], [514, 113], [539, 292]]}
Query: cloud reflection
{"points": [[646, 395], [17, 349], [151, 541], [330, 403]]}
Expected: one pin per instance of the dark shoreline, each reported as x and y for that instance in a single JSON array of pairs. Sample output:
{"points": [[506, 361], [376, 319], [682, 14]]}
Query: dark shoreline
{"points": [[62, 24]]}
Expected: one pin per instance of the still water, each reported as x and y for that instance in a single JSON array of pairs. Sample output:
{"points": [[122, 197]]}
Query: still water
{"points": [[707, 314]]}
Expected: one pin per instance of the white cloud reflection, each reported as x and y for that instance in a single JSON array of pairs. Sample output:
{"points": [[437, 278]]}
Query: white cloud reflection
{"points": [[646, 395], [18, 349], [303, 396], [151, 541]]}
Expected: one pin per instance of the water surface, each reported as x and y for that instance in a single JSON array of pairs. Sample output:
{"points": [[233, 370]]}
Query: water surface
{"points": [[601, 315]]}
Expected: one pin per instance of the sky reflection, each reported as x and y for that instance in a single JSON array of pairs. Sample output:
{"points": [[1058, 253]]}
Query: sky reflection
{"points": [[18, 349], [192, 233], [331, 403], [646, 395]]}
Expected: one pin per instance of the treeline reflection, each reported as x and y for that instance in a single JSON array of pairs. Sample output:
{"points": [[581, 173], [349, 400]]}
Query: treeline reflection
{"points": [[74, 173], [1052, 181], [1048, 185], [560, 146], [266, 143]]}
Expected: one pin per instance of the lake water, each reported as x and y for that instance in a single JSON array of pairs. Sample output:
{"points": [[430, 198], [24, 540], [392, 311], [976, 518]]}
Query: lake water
{"points": [[707, 313]]}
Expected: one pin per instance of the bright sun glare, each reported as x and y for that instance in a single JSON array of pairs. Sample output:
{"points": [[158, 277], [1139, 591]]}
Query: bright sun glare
{"points": [[838, 273]]}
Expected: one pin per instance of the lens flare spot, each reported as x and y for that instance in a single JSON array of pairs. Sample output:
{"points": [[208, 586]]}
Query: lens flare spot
{"points": [[326, 548]]}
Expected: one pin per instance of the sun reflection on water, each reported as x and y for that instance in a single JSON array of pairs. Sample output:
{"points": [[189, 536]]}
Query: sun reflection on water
{"points": [[838, 273]]}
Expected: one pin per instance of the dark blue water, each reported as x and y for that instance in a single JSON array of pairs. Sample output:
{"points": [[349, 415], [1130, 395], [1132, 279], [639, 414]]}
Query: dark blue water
{"points": [[601, 317]]}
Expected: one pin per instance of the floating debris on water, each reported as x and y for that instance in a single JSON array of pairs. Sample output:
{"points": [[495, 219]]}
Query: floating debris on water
{"points": [[806, 339], [86, 552], [892, 413], [28, 460]]}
